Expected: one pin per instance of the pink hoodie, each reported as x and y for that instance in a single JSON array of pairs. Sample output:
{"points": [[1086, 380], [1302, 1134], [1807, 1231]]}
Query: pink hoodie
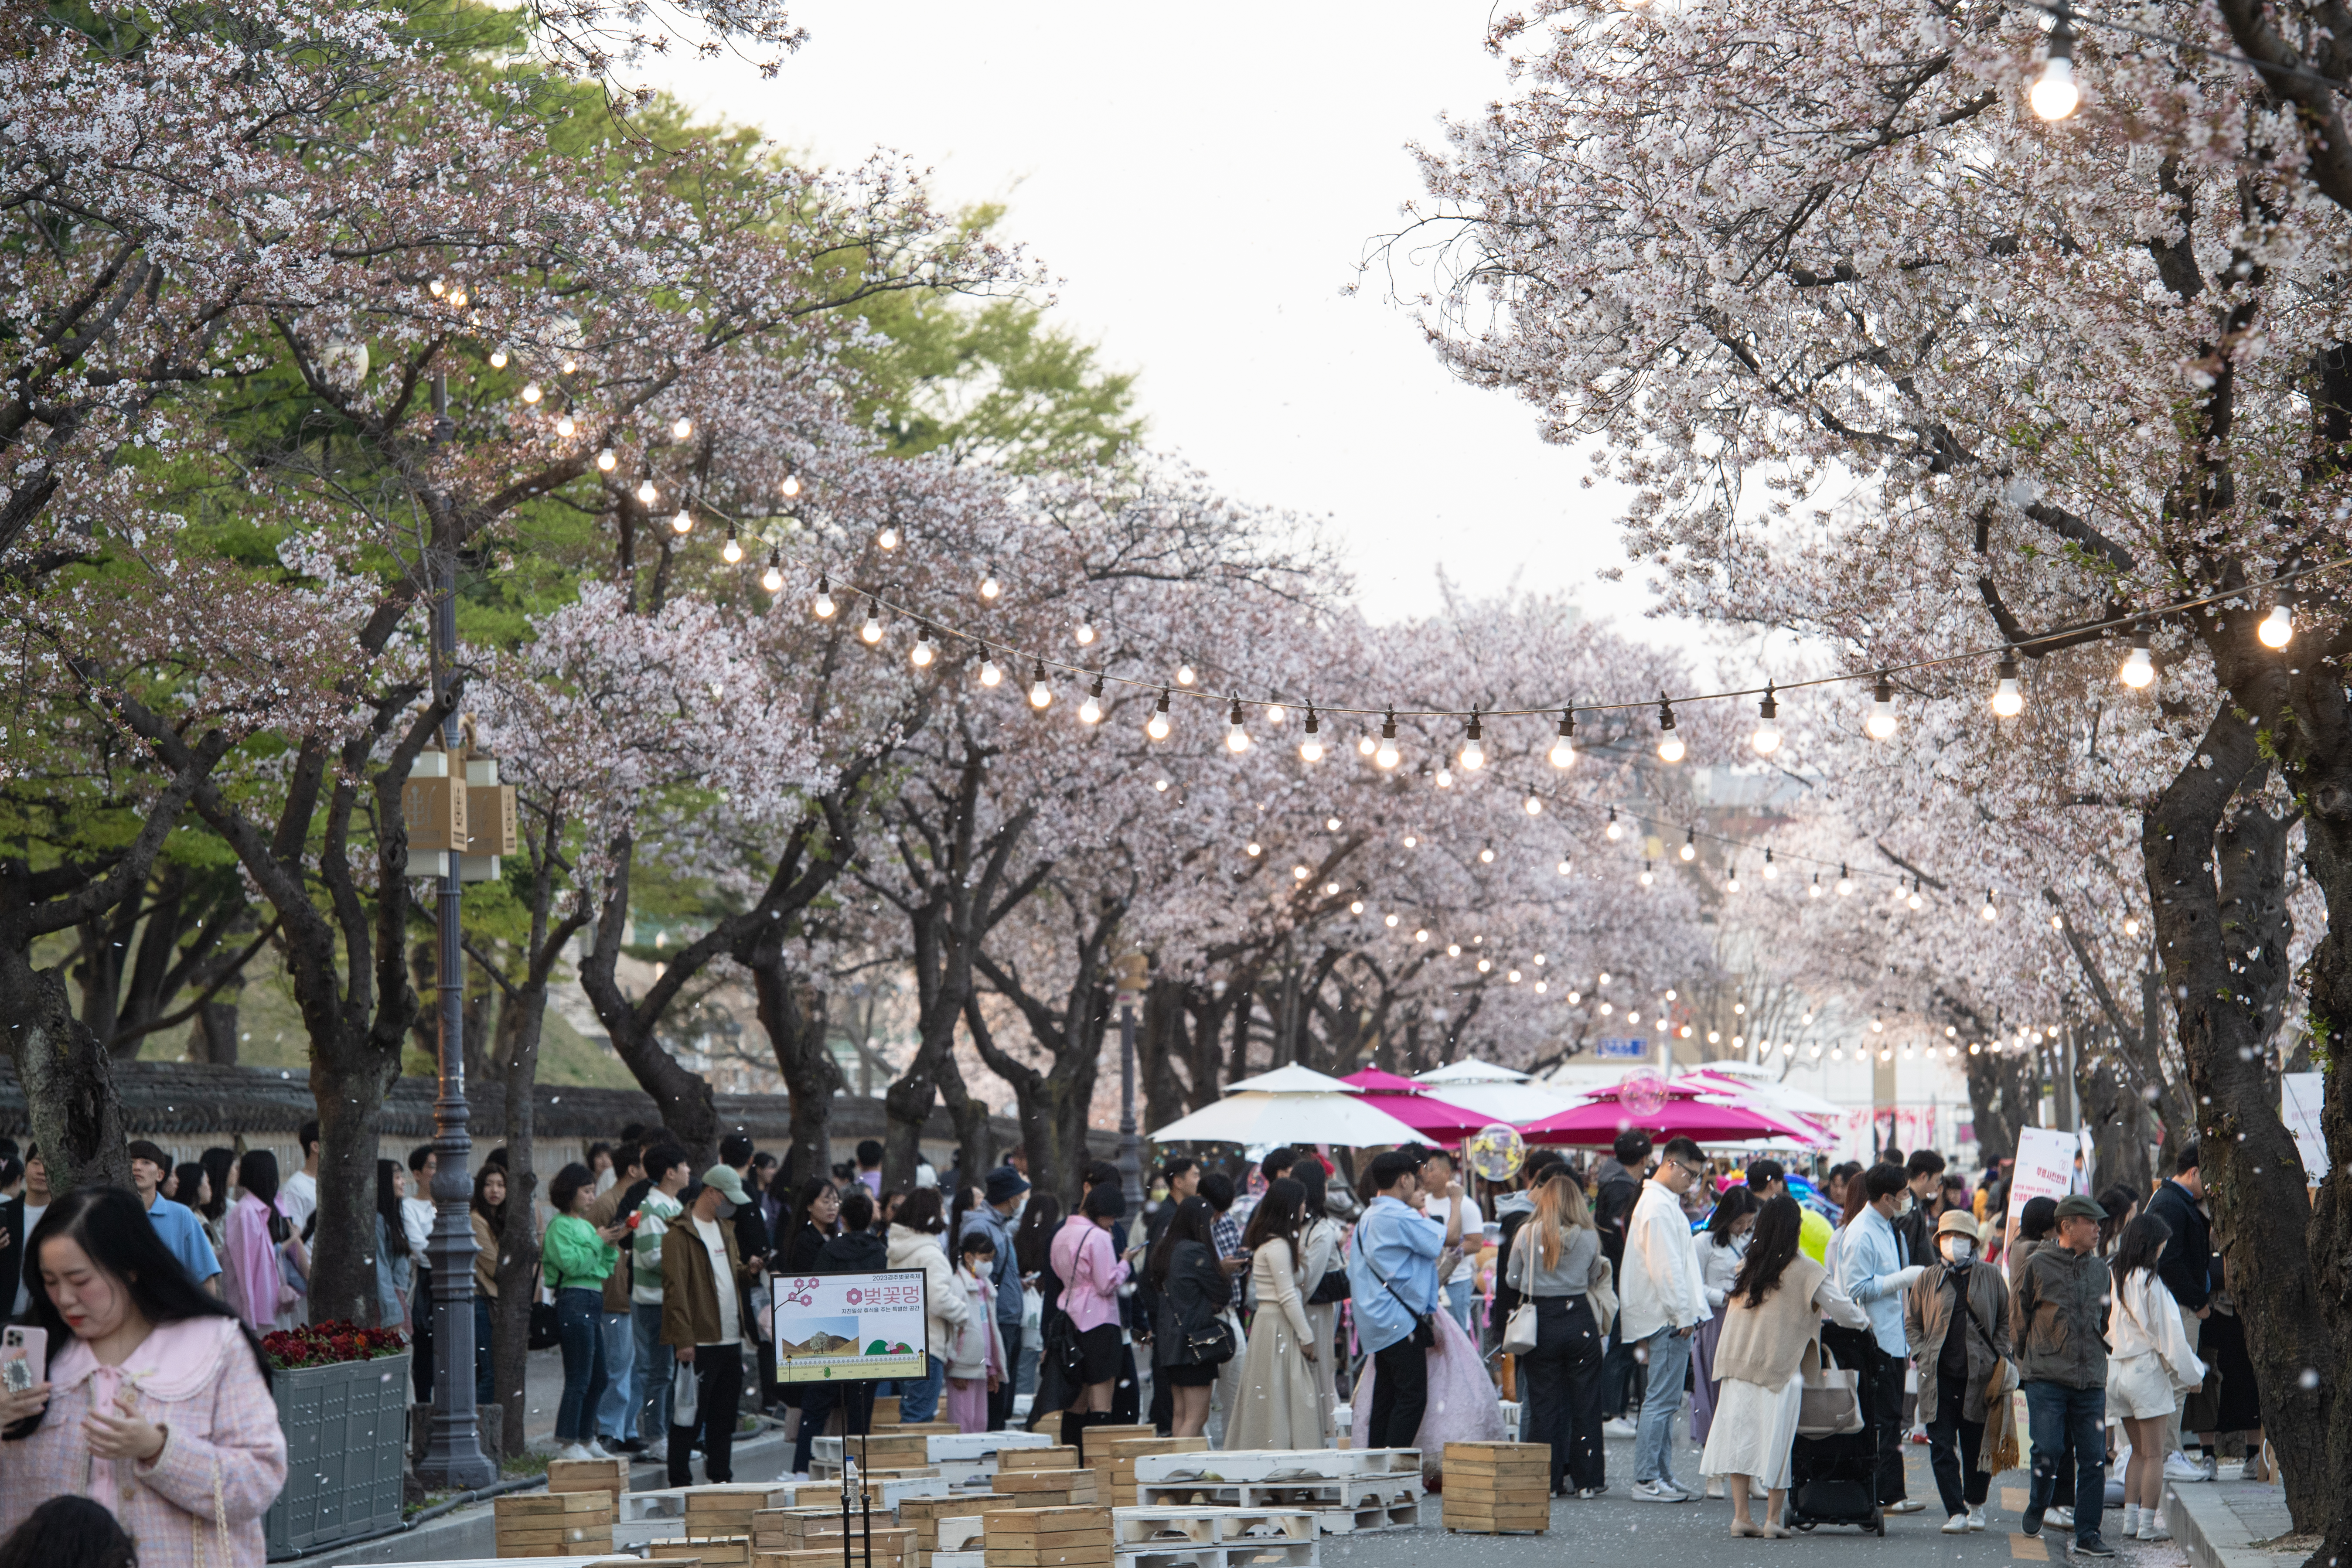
{"points": [[1091, 1272]]}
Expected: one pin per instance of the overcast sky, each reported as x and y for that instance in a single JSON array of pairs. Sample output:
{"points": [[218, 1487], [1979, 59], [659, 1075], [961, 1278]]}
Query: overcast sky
{"points": [[1203, 183]]}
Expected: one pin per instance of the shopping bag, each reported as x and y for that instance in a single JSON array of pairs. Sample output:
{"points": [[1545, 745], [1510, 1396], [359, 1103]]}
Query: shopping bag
{"points": [[1831, 1403], [685, 1396]]}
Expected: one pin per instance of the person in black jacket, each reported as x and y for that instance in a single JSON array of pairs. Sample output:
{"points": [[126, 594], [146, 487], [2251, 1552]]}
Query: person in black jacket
{"points": [[752, 1245], [1191, 1291], [2186, 1267], [1616, 1187], [856, 1250]]}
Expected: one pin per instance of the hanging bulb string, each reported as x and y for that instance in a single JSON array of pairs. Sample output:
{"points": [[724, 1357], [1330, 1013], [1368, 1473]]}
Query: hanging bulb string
{"points": [[2068, 12], [1153, 684]]}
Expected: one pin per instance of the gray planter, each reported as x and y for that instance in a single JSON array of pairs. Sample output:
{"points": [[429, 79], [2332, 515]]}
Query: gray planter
{"points": [[344, 1428]]}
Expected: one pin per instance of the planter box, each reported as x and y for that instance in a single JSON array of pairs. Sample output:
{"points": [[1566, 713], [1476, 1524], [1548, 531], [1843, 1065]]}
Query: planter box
{"points": [[345, 1427]]}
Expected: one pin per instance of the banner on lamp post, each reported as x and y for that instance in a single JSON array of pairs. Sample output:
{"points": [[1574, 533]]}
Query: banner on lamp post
{"points": [[850, 1327]]}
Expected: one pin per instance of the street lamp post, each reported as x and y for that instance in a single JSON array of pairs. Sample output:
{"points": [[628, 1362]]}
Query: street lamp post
{"points": [[454, 1461], [1133, 967]]}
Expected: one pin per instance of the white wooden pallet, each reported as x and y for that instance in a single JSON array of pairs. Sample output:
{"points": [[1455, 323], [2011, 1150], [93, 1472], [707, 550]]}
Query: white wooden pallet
{"points": [[669, 1502], [942, 1447], [958, 1532], [1354, 1492], [1268, 1466], [1275, 1554], [1171, 1529], [959, 1560]]}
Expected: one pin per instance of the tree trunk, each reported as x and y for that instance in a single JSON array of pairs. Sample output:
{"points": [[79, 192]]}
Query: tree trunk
{"points": [[517, 1266], [68, 1079], [970, 1118], [1160, 1040], [687, 1108], [793, 1014], [213, 1035]]}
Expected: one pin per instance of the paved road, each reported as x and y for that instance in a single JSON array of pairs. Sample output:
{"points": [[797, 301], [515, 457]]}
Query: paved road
{"points": [[1614, 1531]]}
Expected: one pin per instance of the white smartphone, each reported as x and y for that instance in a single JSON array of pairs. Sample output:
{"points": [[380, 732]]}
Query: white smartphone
{"points": [[24, 1357]]}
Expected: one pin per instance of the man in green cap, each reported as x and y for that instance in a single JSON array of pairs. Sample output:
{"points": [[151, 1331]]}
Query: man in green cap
{"points": [[2061, 1309], [702, 1321]]}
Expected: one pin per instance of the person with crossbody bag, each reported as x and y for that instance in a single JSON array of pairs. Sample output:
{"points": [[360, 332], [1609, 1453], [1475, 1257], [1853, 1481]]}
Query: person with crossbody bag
{"points": [[1393, 1280], [1554, 1264], [1956, 1324]]}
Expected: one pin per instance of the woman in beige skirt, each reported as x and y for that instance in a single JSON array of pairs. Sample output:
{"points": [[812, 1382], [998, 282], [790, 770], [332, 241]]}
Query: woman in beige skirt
{"points": [[1279, 1403]]}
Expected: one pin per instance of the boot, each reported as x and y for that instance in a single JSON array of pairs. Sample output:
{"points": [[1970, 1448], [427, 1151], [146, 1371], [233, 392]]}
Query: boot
{"points": [[1074, 1427]]}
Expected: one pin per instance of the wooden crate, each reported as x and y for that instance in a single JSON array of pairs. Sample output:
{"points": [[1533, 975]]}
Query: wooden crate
{"points": [[827, 1556], [724, 1552], [589, 1476], [922, 1515], [1073, 1537], [553, 1524], [711, 1512], [886, 1410], [894, 1547], [1057, 1457], [914, 1429], [1079, 1484], [1498, 1488], [1097, 1441], [888, 1450], [1124, 1451]]}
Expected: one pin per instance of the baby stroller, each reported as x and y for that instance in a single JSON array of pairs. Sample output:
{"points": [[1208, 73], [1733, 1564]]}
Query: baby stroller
{"points": [[1834, 1479]]}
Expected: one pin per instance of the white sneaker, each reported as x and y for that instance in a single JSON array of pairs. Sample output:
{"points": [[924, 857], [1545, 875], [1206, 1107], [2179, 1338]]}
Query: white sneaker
{"points": [[1976, 1517], [1908, 1505], [1957, 1525], [2152, 1529], [596, 1450], [1618, 1426], [572, 1451], [2178, 1467], [1654, 1492], [2064, 1517]]}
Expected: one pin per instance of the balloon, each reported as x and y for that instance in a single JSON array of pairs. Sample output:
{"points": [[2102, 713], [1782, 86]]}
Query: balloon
{"points": [[1643, 1094], [1496, 1152]]}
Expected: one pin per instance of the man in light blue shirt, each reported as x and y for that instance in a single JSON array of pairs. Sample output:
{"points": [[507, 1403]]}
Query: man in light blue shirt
{"points": [[1876, 1270], [178, 1226], [1392, 1285]]}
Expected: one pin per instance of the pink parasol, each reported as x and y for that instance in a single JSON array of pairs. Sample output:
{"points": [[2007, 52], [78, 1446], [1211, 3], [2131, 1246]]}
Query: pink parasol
{"points": [[1685, 1114], [1414, 1106]]}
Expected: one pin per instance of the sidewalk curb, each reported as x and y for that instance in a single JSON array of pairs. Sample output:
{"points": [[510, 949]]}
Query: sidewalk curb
{"points": [[2212, 1534]]}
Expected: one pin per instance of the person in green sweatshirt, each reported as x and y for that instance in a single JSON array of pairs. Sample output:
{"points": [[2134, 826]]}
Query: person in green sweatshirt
{"points": [[577, 1257]]}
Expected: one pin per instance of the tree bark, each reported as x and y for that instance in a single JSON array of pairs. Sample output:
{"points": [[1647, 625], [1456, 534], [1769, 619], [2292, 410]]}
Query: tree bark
{"points": [[793, 1014]]}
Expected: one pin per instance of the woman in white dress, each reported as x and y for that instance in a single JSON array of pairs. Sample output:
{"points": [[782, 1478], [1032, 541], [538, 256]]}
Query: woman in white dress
{"points": [[2149, 1365], [1278, 1404], [1318, 1255], [1774, 1311]]}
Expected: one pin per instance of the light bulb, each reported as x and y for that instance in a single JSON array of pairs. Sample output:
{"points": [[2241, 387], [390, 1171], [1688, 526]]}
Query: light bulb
{"points": [[570, 365], [683, 523], [922, 652], [2131, 926], [1276, 713], [1184, 676], [2008, 700], [1486, 855], [1090, 711], [2139, 667], [823, 603], [1565, 867], [1646, 878], [1157, 726], [1614, 831], [773, 579], [2277, 628], [1844, 883], [1040, 694], [1670, 745], [1772, 872], [1452, 949], [1387, 755], [530, 392], [1915, 900], [1731, 883], [1474, 755], [1311, 746], [887, 537], [732, 551], [1365, 745], [1563, 749], [683, 428], [1084, 633], [1880, 725], [2055, 96], [646, 492], [1253, 848], [1767, 737], [1421, 935], [872, 630], [1390, 920], [1236, 738], [1689, 851], [497, 359], [990, 587], [1533, 806], [565, 424], [989, 674], [1989, 912], [1355, 905], [457, 297], [606, 460], [792, 486], [1815, 890], [1444, 778], [436, 287]]}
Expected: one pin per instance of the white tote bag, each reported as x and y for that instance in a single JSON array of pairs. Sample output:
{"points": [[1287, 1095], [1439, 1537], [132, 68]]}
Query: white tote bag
{"points": [[685, 1396]]}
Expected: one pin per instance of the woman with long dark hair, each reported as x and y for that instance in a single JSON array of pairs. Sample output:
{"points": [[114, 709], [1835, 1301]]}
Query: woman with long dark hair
{"points": [[220, 1171], [1720, 1254], [914, 1242], [1556, 1261], [396, 1267], [69, 1532], [489, 1217], [1774, 1313], [259, 1238], [1281, 1410], [1193, 1293], [1091, 1270], [1318, 1256], [2151, 1364], [813, 1219], [156, 1401]]}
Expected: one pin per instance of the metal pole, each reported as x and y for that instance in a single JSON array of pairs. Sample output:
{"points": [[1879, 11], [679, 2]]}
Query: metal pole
{"points": [[453, 1460], [1131, 1166]]}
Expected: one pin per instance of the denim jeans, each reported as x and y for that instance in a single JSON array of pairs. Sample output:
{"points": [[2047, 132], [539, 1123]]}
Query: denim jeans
{"points": [[2056, 1414], [616, 1417], [1668, 1354], [1458, 1305], [486, 1383], [649, 1394], [918, 1399], [580, 1331]]}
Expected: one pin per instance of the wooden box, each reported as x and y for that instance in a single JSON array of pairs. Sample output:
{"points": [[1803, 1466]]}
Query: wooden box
{"points": [[553, 1524], [434, 811], [886, 1410], [1074, 1537], [1124, 1452], [1498, 1488], [1056, 1457], [610, 1476], [1098, 1440], [720, 1552], [892, 1553]]}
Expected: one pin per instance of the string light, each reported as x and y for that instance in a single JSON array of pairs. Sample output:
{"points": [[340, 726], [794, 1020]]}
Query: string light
{"points": [[1085, 632], [1990, 911], [1533, 806], [683, 428], [570, 365], [1563, 750], [887, 537], [1157, 726], [1253, 848], [497, 359], [1474, 755], [2277, 628], [606, 460], [565, 424], [530, 392], [1090, 711], [1772, 872], [1670, 745], [773, 579], [1731, 883], [1915, 900], [921, 654], [990, 587], [732, 551], [1444, 779], [1040, 694], [792, 486], [2139, 666], [2131, 925], [1184, 676], [1690, 844], [872, 630], [1815, 890], [1565, 866], [683, 523], [2055, 96], [1614, 831], [1387, 755], [1646, 878], [989, 674], [1880, 725], [1311, 746], [1365, 746], [2008, 700], [1276, 713], [646, 493], [1844, 881], [1236, 738], [1486, 854], [1767, 737], [1390, 920]]}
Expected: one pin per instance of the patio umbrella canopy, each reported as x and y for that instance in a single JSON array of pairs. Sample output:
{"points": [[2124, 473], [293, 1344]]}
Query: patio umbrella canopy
{"points": [[1291, 1105], [1684, 1114], [1494, 1093], [1409, 1103]]}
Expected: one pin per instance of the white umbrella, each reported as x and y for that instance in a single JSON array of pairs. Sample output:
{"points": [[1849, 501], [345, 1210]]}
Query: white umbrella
{"points": [[1470, 1070], [1515, 1103], [1769, 1091], [1252, 1116], [1293, 1079]]}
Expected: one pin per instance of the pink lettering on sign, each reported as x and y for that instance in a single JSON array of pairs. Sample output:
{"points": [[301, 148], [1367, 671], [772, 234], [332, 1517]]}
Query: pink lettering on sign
{"points": [[856, 1295]]}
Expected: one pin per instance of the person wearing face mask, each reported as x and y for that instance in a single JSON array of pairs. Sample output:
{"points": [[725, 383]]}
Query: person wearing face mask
{"points": [[1956, 1324], [1720, 1254], [1875, 1267]]}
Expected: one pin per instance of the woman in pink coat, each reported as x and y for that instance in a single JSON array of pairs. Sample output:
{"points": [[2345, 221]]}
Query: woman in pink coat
{"points": [[156, 1403], [1091, 1271], [259, 1239]]}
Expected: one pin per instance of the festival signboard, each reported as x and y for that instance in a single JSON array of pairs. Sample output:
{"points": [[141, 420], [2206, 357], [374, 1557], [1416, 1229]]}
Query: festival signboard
{"points": [[835, 1328]]}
